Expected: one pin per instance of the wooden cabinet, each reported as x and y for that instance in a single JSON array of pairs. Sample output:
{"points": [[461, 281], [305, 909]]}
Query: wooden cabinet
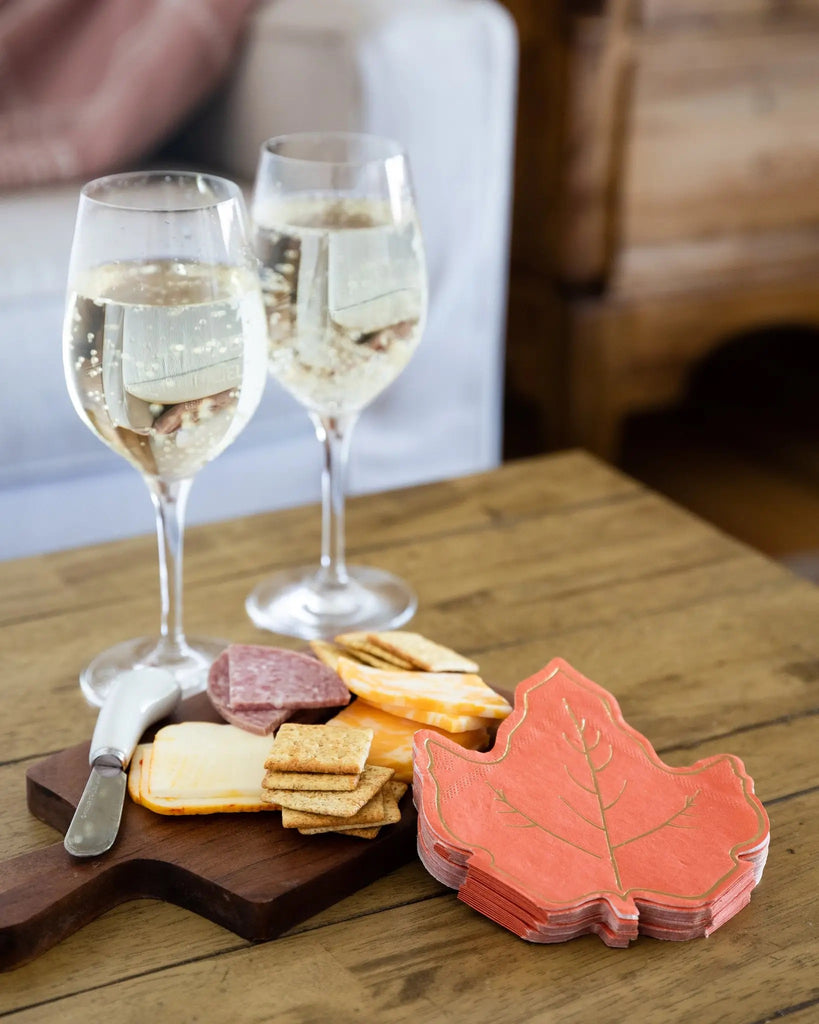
{"points": [[667, 197]]}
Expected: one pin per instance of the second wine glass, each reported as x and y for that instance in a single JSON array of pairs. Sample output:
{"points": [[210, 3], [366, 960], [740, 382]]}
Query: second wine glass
{"points": [[344, 281], [164, 349]]}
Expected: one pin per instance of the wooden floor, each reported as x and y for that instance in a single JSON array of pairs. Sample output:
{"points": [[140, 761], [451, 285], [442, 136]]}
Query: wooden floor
{"points": [[742, 451]]}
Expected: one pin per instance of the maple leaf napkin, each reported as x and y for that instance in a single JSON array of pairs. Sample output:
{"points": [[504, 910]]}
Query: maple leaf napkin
{"points": [[572, 823]]}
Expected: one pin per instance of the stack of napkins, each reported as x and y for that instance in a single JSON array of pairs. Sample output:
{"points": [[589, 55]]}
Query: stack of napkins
{"points": [[572, 824]]}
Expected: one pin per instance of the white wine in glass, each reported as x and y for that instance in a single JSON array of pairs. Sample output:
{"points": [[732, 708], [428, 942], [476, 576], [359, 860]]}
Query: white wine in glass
{"points": [[344, 281], [165, 352]]}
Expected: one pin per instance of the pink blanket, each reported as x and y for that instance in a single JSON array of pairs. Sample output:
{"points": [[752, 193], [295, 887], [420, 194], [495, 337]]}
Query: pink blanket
{"points": [[87, 86]]}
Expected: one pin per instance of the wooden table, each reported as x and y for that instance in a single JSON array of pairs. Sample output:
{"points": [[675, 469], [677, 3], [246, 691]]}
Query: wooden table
{"points": [[709, 648]]}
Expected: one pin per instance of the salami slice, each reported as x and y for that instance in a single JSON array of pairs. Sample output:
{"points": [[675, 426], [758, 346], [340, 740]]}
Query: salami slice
{"points": [[273, 677], [261, 721]]}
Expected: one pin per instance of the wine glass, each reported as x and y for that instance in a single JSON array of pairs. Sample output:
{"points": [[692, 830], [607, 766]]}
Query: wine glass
{"points": [[344, 281], [164, 350]]}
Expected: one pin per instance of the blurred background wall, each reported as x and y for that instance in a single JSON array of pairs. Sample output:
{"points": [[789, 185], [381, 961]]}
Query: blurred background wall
{"points": [[664, 299]]}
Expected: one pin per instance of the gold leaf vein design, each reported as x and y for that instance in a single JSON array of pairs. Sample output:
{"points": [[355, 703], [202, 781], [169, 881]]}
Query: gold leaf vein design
{"points": [[581, 744]]}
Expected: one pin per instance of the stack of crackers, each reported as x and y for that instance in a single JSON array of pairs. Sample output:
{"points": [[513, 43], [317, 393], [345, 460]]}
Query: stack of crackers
{"points": [[404, 682], [391, 649], [320, 777]]}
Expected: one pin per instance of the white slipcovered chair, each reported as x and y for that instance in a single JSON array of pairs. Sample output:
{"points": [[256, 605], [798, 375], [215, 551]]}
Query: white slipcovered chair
{"points": [[439, 76]]}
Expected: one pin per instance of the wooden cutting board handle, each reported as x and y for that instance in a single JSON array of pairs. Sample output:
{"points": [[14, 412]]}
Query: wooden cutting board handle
{"points": [[46, 895]]}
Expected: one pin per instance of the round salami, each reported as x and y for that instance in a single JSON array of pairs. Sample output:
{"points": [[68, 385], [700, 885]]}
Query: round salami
{"points": [[274, 677], [257, 688], [261, 721]]}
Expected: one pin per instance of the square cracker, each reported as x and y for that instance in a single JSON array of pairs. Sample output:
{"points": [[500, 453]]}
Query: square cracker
{"points": [[327, 653], [319, 748], [342, 805], [375, 659], [392, 793], [369, 814], [313, 781], [330, 653], [360, 833], [370, 832], [362, 647], [396, 789], [420, 652]]}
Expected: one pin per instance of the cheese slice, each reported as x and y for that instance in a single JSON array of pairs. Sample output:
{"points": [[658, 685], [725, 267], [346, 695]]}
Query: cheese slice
{"points": [[392, 736], [439, 719], [145, 771], [205, 805], [204, 760], [450, 693], [135, 770]]}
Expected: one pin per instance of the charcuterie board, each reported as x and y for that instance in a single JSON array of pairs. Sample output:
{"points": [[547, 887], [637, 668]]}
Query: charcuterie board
{"points": [[243, 871]]}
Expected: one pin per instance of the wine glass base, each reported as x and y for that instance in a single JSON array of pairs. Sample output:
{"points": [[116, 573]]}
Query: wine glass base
{"points": [[295, 602], [189, 668]]}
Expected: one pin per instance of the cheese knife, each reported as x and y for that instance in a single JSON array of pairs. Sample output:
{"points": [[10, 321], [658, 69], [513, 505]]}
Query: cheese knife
{"points": [[135, 700]]}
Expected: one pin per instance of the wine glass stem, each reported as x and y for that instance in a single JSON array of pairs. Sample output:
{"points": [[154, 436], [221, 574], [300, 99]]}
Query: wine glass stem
{"points": [[334, 433], [170, 501]]}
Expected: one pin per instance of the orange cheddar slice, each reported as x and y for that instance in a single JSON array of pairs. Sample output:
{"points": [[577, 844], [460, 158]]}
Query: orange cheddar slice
{"points": [[449, 693], [206, 805], [439, 719], [392, 736]]}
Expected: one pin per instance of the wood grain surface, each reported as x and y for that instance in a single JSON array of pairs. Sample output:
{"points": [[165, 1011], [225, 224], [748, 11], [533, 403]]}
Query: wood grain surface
{"points": [[707, 646]]}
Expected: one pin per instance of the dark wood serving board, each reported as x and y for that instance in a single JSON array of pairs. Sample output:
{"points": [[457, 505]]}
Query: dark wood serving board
{"points": [[243, 871]]}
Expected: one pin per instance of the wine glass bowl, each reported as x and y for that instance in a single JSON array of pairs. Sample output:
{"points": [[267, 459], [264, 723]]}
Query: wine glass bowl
{"points": [[344, 282], [164, 351]]}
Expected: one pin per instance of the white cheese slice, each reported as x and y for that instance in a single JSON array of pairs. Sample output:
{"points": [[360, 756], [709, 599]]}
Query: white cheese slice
{"points": [[205, 761]]}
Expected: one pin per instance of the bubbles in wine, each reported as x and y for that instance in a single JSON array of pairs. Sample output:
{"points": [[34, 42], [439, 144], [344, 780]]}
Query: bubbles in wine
{"points": [[345, 291], [165, 359]]}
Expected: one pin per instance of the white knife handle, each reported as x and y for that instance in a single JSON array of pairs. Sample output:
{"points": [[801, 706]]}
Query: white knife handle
{"points": [[135, 700]]}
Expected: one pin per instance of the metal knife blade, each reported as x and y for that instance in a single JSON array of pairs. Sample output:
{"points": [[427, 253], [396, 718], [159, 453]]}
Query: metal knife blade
{"points": [[95, 824], [135, 700]]}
